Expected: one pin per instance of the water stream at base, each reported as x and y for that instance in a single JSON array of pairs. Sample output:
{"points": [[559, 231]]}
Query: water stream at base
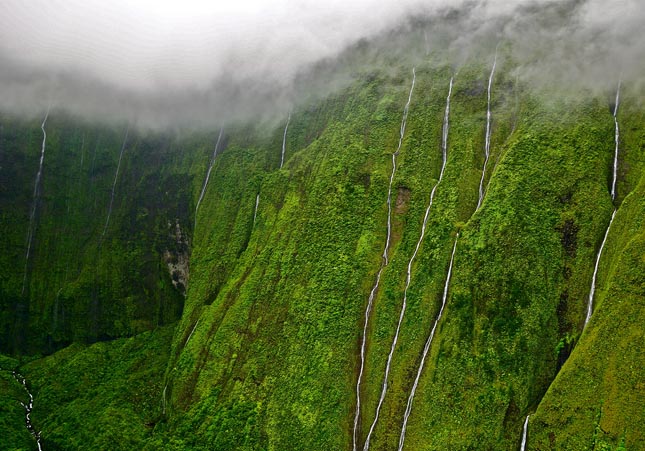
{"points": [[28, 408]]}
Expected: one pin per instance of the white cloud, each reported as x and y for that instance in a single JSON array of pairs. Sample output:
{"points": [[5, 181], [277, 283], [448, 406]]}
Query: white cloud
{"points": [[176, 59]]}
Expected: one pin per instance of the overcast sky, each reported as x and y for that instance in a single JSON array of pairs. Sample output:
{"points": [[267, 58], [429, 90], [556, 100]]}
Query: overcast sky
{"points": [[137, 58]]}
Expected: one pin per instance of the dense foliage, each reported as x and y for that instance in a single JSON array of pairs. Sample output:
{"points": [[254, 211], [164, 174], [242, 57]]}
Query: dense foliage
{"points": [[265, 354]]}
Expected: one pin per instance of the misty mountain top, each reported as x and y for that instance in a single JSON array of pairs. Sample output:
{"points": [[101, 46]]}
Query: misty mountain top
{"points": [[164, 63]]}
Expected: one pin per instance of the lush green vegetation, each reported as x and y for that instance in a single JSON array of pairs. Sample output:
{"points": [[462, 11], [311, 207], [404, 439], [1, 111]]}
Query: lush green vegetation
{"points": [[83, 284], [265, 353]]}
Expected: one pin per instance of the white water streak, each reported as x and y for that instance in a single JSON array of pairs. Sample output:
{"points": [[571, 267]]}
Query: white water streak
{"points": [[255, 212], [595, 270], [488, 132], [444, 148], [191, 333], [284, 140], [384, 262], [616, 139], [32, 213], [208, 173], [524, 433], [116, 177], [408, 408], [592, 291]]}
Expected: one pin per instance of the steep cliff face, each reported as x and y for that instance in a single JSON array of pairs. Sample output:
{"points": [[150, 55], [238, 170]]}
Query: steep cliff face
{"points": [[266, 352], [98, 223]]}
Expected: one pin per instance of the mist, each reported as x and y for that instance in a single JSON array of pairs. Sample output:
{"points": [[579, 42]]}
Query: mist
{"points": [[195, 63]]}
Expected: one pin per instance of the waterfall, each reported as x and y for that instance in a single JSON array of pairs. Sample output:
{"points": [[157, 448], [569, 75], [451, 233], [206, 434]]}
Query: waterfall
{"points": [[444, 148], [426, 348], [384, 262], [116, 177], [208, 173], [524, 433], [28, 408], [488, 131], [592, 291], [616, 139], [32, 213], [284, 140], [191, 333], [595, 270], [255, 212]]}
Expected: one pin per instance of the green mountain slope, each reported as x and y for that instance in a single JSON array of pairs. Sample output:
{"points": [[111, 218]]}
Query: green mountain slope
{"points": [[265, 354]]}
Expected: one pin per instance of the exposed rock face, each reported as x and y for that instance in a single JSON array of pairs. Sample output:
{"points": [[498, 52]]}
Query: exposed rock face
{"points": [[177, 257]]}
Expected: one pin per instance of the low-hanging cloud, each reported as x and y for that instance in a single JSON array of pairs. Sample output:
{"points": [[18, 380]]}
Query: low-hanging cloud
{"points": [[165, 63]]}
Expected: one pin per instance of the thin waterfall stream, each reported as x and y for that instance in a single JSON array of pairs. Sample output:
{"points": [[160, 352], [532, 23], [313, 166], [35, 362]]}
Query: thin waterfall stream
{"points": [[525, 431], [616, 140], [384, 262], [255, 211], [191, 333], [592, 290], [284, 141], [34, 206], [426, 348], [116, 178], [488, 132], [444, 148], [208, 173]]}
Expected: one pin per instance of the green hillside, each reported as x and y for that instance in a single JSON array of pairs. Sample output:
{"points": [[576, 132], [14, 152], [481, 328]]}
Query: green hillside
{"points": [[262, 350]]}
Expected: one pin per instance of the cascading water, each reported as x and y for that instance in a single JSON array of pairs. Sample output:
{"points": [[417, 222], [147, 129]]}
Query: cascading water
{"points": [[255, 212], [284, 140], [116, 177], [595, 270], [28, 408], [444, 148], [426, 348], [384, 262], [32, 213], [524, 433], [191, 333], [488, 132], [592, 291], [616, 139], [208, 173]]}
